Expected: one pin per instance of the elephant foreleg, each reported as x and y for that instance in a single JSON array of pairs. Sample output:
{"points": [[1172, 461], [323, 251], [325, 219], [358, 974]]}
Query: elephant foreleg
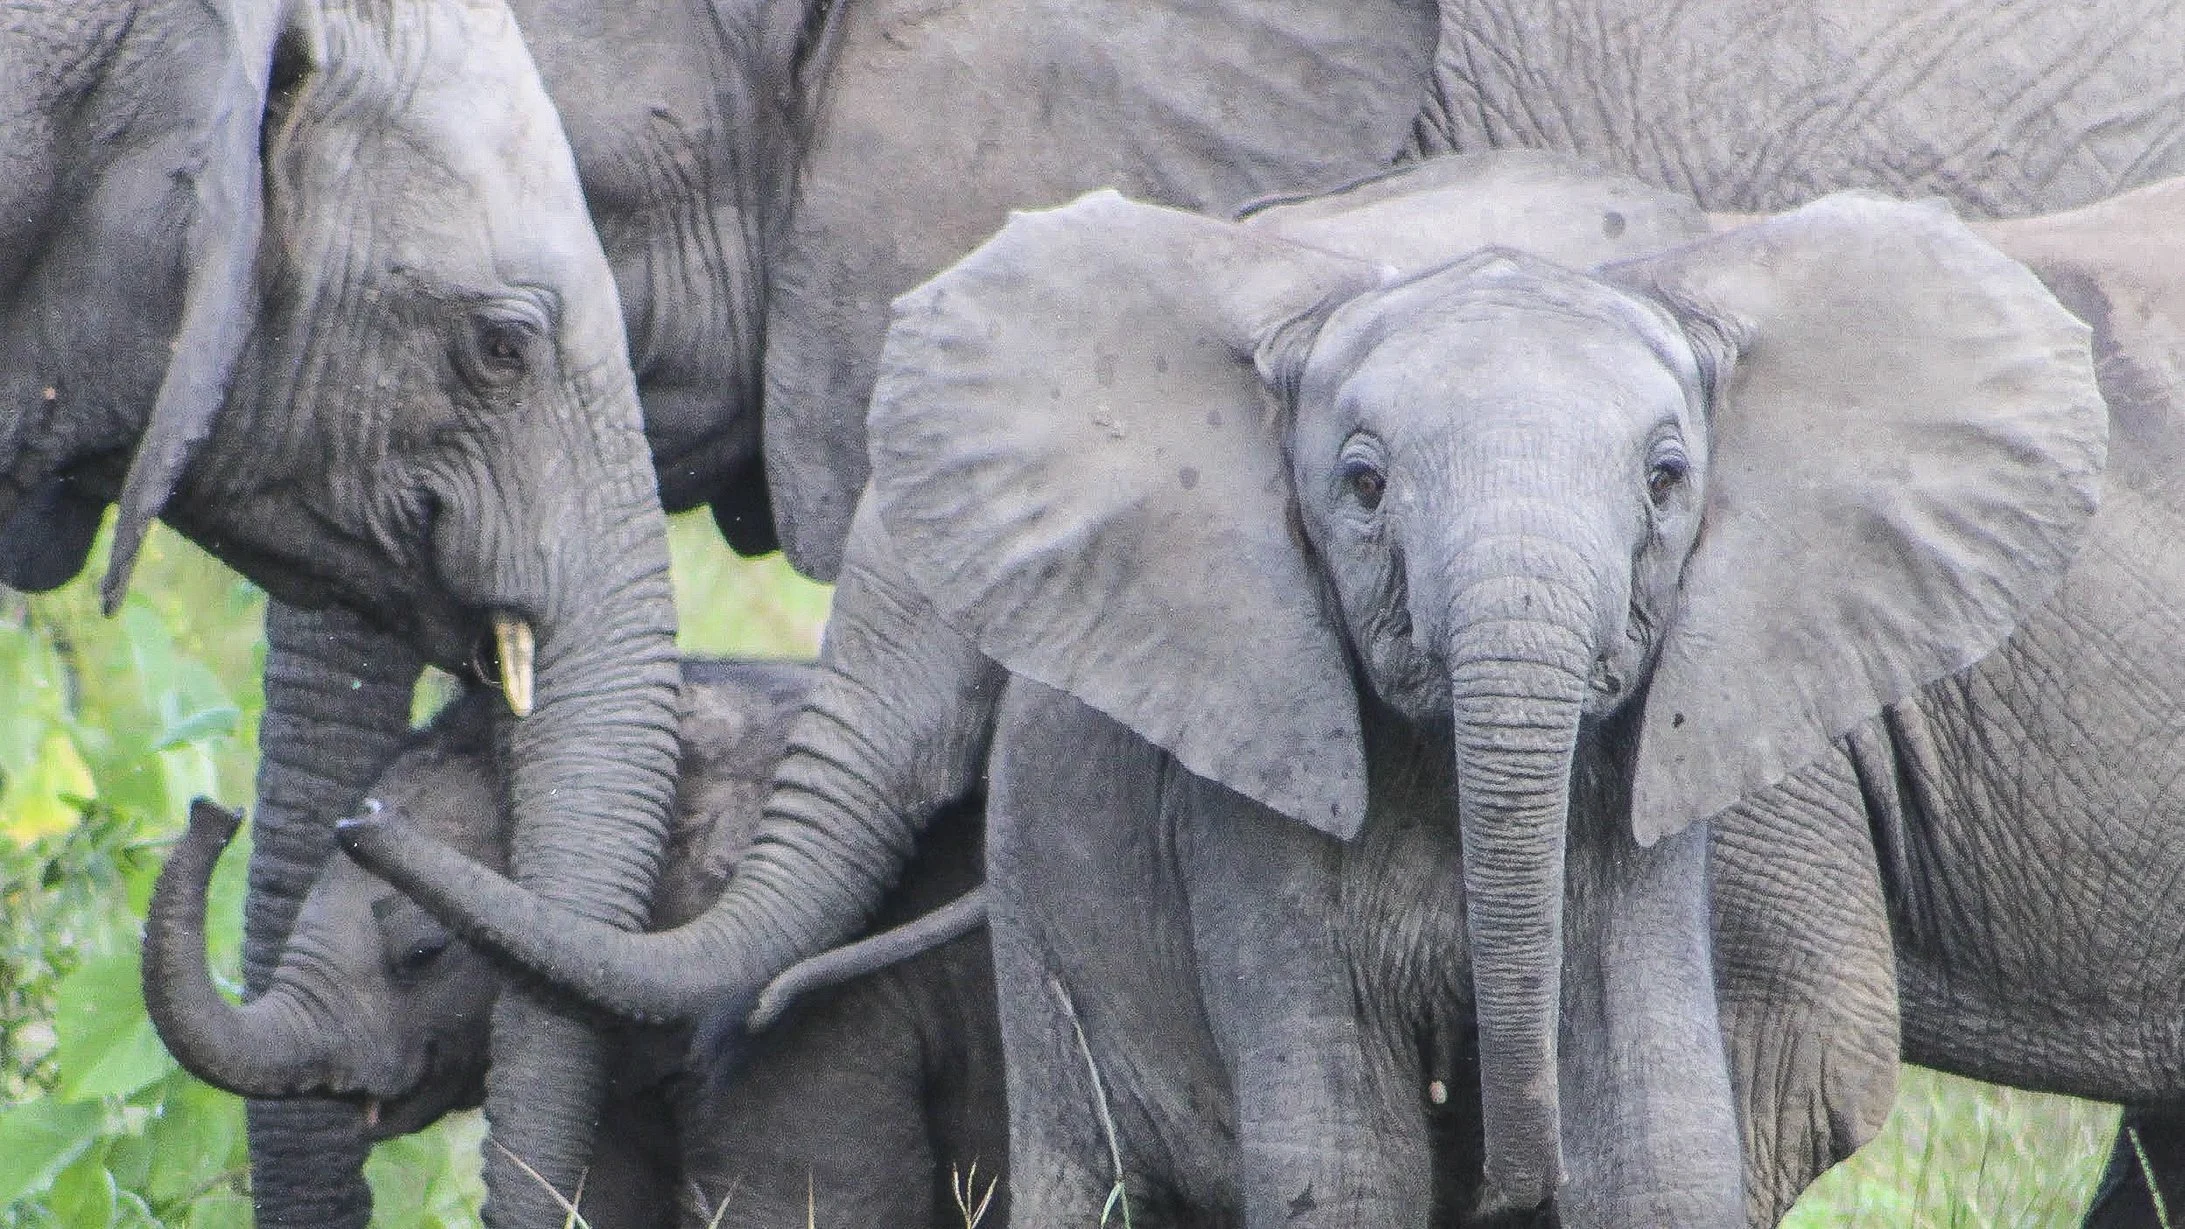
{"points": [[337, 703]]}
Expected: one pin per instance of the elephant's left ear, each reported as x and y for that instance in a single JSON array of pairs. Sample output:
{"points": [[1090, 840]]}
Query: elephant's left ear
{"points": [[1907, 445], [219, 300]]}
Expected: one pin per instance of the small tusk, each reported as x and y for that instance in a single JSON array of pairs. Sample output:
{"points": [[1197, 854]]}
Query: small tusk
{"points": [[513, 640], [371, 1113], [1437, 1092]]}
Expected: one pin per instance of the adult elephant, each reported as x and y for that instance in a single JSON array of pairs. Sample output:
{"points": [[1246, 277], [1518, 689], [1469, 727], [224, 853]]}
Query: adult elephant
{"points": [[314, 283], [1076, 410], [863, 1102]]}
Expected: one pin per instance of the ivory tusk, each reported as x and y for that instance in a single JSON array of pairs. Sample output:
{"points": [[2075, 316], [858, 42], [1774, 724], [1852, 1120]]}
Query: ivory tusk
{"points": [[516, 647]]}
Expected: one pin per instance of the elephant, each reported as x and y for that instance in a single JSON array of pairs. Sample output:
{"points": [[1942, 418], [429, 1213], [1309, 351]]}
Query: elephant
{"points": [[1117, 452], [873, 1092], [314, 283]]}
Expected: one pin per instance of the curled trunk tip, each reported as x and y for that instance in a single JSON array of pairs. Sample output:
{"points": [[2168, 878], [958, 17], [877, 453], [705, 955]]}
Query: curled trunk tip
{"points": [[263, 1049]]}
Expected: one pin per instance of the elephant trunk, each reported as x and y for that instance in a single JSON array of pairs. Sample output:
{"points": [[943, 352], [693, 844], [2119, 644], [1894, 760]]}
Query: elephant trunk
{"points": [[894, 729], [337, 696], [1518, 681], [591, 772], [273, 1046]]}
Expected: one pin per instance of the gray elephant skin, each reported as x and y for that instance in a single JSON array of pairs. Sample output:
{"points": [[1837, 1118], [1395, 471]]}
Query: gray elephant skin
{"points": [[1266, 1026], [872, 1092], [762, 192], [314, 282]]}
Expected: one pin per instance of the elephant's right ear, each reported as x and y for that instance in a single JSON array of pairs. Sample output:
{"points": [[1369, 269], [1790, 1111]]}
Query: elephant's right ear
{"points": [[1080, 463], [219, 301]]}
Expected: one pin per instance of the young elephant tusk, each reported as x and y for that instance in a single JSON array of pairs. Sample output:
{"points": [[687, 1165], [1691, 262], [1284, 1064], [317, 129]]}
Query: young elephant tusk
{"points": [[516, 646]]}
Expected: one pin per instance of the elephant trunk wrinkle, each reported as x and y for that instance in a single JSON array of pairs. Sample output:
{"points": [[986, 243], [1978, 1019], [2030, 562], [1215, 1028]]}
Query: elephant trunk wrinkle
{"points": [[1517, 693]]}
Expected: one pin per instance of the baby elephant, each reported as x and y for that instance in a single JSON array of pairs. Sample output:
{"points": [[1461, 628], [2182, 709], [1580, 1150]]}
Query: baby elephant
{"points": [[861, 1101]]}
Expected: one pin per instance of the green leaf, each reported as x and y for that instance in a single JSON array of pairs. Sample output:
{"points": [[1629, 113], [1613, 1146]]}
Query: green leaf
{"points": [[38, 1139], [203, 724], [47, 799], [221, 1210], [107, 1047], [196, 1141], [84, 1195]]}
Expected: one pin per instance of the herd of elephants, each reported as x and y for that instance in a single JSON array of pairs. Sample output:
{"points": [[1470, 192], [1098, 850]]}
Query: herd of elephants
{"points": [[1448, 611]]}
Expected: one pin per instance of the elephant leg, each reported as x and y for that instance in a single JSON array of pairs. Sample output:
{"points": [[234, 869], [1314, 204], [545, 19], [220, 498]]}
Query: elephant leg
{"points": [[337, 704], [1331, 1106], [2150, 1148], [1656, 1142], [830, 1109], [1806, 973], [1108, 1061]]}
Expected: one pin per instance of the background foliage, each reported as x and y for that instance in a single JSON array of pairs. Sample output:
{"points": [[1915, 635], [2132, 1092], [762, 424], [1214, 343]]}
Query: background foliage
{"points": [[108, 727]]}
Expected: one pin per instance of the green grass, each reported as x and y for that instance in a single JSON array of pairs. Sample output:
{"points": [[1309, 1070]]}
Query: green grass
{"points": [[109, 726], [1957, 1154]]}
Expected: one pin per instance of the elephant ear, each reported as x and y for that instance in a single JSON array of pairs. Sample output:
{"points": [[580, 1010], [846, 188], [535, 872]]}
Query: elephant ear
{"points": [[44, 542], [1907, 443], [1427, 214], [1078, 460], [219, 299]]}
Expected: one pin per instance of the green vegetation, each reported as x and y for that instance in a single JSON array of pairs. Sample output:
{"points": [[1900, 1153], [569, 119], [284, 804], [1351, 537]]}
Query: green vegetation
{"points": [[108, 727]]}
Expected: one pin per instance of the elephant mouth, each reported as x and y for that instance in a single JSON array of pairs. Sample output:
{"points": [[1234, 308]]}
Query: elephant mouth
{"points": [[439, 1088]]}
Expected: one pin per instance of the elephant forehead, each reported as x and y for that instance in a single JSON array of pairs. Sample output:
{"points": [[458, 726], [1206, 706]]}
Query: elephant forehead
{"points": [[435, 115], [1511, 367], [1496, 326]]}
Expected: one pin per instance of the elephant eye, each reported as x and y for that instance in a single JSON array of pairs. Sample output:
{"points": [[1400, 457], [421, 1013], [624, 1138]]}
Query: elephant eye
{"points": [[1366, 483], [498, 348], [410, 939], [421, 952], [501, 347], [1663, 479]]}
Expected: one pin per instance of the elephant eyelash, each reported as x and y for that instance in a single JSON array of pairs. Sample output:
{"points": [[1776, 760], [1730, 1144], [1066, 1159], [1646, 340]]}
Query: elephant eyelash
{"points": [[1664, 476]]}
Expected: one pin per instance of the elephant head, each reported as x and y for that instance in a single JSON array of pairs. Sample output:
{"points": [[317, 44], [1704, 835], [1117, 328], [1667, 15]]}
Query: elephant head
{"points": [[1213, 478], [326, 298], [373, 999]]}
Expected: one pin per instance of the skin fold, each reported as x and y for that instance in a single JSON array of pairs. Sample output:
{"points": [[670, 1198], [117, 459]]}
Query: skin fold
{"points": [[347, 387], [875, 1090]]}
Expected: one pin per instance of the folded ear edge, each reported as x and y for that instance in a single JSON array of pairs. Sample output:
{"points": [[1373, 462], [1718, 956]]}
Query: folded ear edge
{"points": [[221, 242]]}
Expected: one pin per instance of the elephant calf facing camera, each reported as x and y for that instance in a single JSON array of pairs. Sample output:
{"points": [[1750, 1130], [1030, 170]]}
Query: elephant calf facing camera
{"points": [[873, 1090]]}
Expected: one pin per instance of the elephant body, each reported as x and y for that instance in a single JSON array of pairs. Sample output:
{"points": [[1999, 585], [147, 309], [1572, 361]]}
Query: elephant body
{"points": [[2004, 112], [873, 1090]]}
